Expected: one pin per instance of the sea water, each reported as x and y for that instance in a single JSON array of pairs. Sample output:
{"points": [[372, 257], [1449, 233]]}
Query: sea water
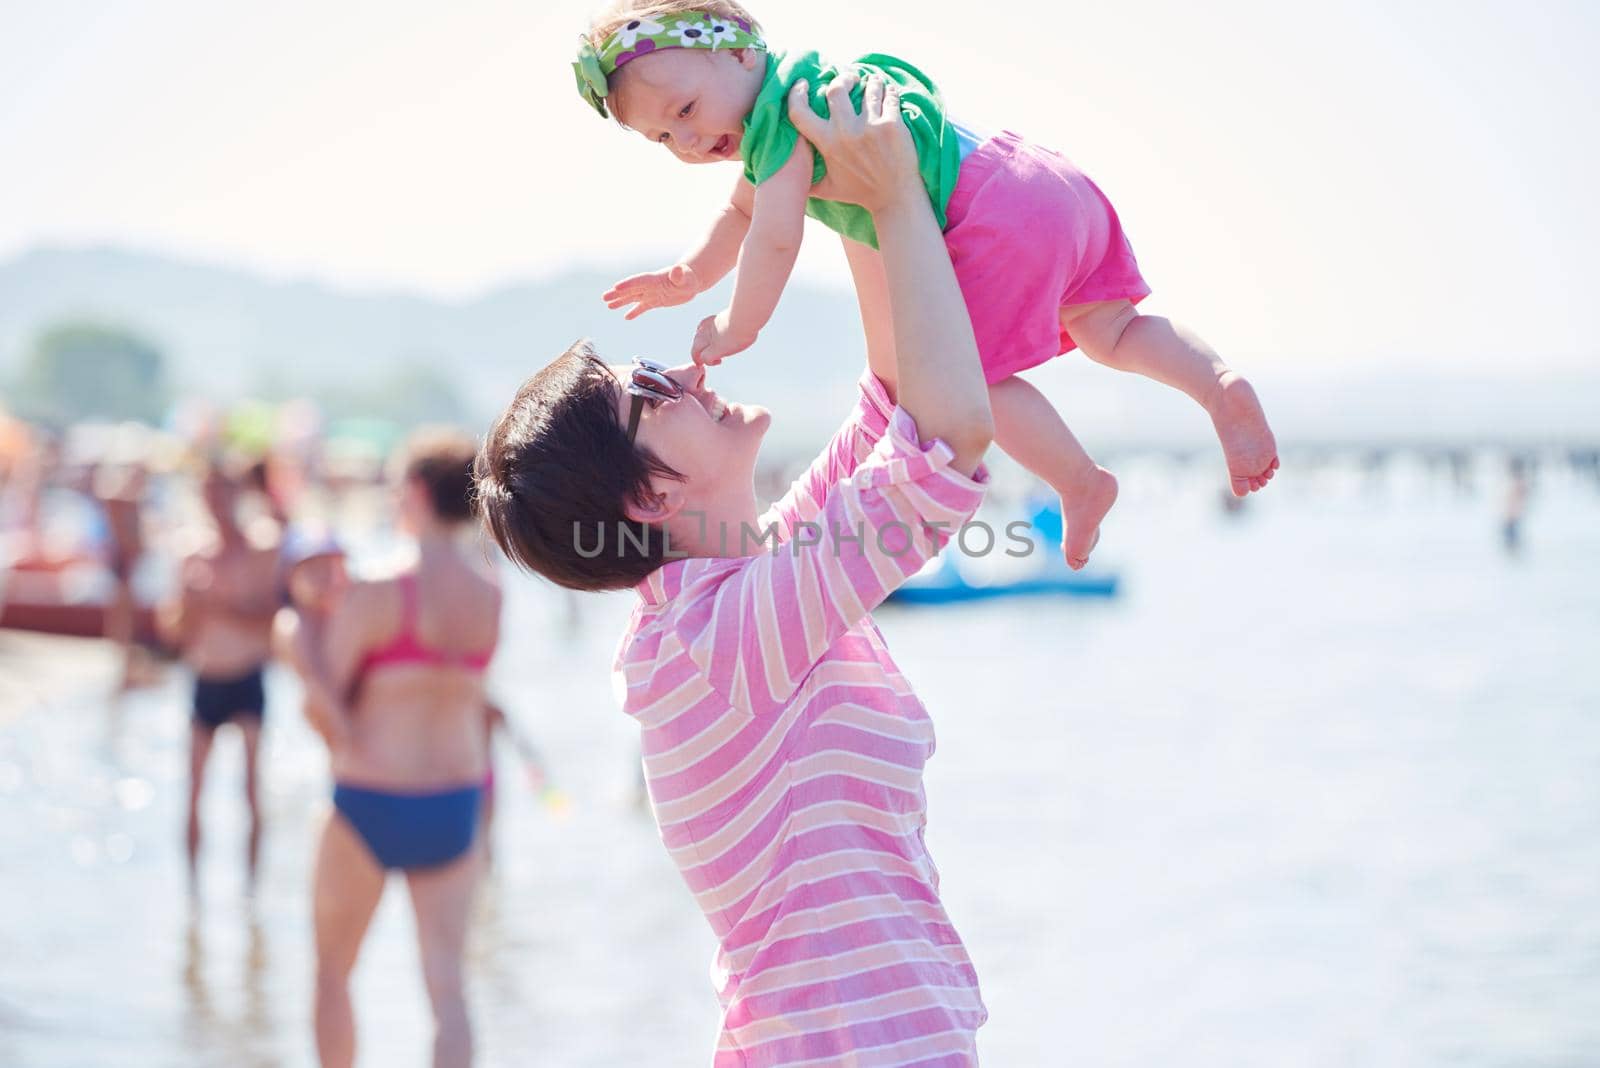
{"points": [[1321, 786]]}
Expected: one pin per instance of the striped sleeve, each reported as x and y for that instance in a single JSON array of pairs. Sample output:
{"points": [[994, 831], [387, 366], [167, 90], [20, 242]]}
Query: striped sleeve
{"points": [[774, 618], [862, 429]]}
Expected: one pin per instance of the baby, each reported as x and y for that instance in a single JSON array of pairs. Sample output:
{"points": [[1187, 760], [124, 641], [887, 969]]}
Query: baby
{"points": [[315, 578], [1037, 248]]}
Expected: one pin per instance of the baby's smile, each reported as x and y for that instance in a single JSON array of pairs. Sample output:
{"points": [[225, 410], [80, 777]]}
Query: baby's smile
{"points": [[724, 147]]}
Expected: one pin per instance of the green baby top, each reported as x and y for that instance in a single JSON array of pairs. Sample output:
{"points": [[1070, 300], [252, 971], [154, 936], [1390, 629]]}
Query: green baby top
{"points": [[770, 138]]}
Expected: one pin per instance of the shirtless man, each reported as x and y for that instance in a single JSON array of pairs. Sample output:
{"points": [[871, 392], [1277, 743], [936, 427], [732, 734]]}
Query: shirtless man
{"points": [[222, 622]]}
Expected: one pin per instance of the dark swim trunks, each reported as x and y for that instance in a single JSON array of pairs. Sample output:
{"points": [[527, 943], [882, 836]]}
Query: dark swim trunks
{"points": [[219, 701]]}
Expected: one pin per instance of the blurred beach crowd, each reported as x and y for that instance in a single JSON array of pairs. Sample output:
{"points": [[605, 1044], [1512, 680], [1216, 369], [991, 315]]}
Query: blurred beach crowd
{"points": [[99, 514], [94, 510]]}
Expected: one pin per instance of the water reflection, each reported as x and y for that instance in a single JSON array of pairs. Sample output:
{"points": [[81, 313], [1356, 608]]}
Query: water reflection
{"points": [[496, 955], [229, 1015]]}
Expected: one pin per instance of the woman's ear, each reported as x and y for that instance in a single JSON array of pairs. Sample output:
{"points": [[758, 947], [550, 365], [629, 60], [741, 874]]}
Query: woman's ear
{"points": [[655, 507]]}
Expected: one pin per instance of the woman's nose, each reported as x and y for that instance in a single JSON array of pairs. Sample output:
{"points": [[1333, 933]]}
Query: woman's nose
{"points": [[690, 376]]}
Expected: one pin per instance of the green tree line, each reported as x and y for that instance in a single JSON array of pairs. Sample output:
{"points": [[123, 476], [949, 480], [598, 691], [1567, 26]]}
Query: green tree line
{"points": [[79, 371], [92, 371]]}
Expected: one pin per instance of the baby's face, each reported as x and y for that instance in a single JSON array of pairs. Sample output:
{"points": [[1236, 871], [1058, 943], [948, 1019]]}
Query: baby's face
{"points": [[692, 101]]}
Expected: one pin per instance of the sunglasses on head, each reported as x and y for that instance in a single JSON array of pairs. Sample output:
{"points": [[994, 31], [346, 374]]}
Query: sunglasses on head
{"points": [[648, 383]]}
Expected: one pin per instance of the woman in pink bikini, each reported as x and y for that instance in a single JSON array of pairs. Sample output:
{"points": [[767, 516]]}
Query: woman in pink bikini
{"points": [[408, 656]]}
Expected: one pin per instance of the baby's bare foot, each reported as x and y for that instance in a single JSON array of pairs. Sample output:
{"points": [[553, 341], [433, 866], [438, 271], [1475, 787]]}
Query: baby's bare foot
{"points": [[1247, 441], [1082, 507]]}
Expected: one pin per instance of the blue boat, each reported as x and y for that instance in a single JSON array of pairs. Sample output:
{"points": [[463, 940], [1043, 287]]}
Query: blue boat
{"points": [[944, 583], [946, 586]]}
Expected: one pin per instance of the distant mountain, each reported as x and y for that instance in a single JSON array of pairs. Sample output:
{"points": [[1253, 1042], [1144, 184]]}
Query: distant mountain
{"points": [[230, 333]]}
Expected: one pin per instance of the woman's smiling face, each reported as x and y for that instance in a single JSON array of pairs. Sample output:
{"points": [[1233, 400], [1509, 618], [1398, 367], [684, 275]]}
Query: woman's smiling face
{"points": [[712, 442], [690, 100]]}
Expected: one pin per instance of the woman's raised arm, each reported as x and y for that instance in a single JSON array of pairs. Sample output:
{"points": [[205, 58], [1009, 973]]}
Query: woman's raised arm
{"points": [[871, 162]]}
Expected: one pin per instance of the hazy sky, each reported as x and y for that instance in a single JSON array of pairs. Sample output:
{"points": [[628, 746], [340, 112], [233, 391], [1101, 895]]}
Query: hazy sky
{"points": [[1358, 182]]}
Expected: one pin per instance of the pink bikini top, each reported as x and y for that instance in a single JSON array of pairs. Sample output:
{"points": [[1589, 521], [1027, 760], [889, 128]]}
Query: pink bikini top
{"points": [[407, 647]]}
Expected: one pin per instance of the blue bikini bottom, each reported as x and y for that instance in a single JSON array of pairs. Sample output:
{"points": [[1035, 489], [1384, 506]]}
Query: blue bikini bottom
{"points": [[412, 830]]}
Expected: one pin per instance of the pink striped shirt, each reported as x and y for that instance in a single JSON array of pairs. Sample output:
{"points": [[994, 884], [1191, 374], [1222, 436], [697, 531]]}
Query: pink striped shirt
{"points": [[784, 754]]}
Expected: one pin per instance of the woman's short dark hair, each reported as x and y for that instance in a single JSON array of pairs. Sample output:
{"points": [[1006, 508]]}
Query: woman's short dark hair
{"points": [[555, 476], [441, 461]]}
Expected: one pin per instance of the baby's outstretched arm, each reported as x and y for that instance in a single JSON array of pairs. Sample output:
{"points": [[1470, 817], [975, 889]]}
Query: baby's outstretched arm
{"points": [[776, 227], [698, 271]]}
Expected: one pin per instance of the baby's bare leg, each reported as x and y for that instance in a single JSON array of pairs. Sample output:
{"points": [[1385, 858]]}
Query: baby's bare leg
{"points": [[1032, 432], [872, 294], [1026, 426], [1115, 334]]}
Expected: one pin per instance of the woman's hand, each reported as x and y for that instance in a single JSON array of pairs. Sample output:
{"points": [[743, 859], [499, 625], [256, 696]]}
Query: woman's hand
{"points": [[336, 730], [871, 162], [870, 158], [330, 722], [676, 285]]}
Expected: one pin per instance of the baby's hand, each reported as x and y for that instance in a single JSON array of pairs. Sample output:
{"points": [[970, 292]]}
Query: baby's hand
{"points": [[714, 339], [656, 289]]}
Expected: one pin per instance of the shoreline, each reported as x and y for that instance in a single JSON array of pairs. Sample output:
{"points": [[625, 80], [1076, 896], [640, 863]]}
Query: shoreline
{"points": [[36, 668]]}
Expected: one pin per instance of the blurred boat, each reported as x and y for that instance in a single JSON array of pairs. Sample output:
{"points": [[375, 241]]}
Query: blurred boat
{"points": [[944, 584], [943, 581], [64, 597]]}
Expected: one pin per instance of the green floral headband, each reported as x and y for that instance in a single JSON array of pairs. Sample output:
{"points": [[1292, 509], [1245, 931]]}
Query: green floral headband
{"points": [[689, 29]]}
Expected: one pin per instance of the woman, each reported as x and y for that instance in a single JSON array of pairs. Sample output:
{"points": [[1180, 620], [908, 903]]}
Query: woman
{"points": [[411, 653], [783, 750]]}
